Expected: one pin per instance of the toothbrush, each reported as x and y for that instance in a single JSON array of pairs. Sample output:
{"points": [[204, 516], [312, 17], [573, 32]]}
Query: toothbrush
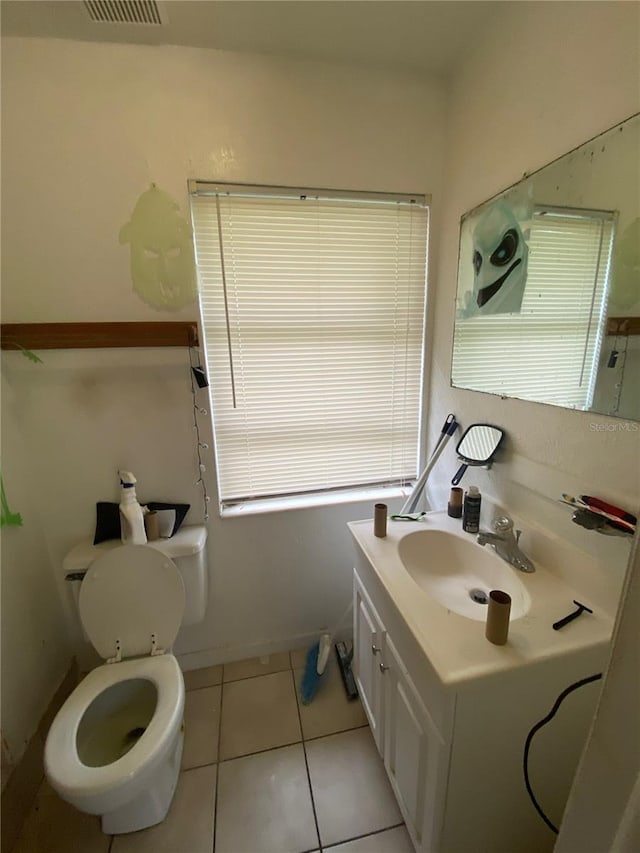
{"points": [[598, 505], [603, 506], [614, 520], [569, 499]]}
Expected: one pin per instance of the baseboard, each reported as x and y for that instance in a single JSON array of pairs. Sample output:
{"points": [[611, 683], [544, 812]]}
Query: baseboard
{"points": [[229, 653], [26, 777]]}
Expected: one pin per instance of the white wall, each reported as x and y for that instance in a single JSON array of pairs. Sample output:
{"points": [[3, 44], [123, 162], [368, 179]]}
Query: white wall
{"points": [[603, 811], [548, 78], [86, 128], [35, 647]]}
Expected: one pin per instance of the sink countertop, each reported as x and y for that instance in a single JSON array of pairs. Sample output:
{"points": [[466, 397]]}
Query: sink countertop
{"points": [[455, 645]]}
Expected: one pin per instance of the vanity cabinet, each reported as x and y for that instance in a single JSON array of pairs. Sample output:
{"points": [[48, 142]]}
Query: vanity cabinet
{"points": [[415, 754], [369, 635], [413, 750], [453, 750]]}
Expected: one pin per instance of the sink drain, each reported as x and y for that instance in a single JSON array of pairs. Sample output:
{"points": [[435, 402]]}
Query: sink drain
{"points": [[479, 596]]}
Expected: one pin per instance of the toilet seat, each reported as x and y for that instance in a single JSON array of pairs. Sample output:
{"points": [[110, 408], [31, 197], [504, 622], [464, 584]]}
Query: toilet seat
{"points": [[127, 776], [131, 602]]}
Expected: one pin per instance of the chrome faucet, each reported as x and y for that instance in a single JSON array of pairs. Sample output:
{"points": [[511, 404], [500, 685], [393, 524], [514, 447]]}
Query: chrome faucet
{"points": [[506, 544]]}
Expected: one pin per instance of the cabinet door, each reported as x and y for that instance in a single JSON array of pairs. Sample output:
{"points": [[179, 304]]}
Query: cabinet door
{"points": [[368, 638], [413, 753]]}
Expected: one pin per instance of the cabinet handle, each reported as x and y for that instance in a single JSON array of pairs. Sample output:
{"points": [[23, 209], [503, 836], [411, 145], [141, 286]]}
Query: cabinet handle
{"points": [[383, 668], [375, 649]]}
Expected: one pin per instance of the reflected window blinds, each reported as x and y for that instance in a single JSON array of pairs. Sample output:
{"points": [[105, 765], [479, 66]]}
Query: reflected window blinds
{"points": [[549, 351]]}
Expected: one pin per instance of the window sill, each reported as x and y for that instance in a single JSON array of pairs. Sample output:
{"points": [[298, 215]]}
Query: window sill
{"points": [[318, 499]]}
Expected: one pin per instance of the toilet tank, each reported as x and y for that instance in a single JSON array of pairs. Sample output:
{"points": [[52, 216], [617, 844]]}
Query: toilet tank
{"points": [[187, 549]]}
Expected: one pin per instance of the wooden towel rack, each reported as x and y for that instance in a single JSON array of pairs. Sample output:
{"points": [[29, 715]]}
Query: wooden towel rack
{"points": [[623, 326]]}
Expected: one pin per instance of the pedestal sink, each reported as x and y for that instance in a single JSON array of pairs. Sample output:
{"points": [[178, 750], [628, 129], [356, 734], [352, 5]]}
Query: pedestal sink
{"points": [[459, 574]]}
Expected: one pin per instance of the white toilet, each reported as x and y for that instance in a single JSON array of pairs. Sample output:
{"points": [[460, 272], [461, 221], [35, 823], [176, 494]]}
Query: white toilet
{"points": [[114, 748]]}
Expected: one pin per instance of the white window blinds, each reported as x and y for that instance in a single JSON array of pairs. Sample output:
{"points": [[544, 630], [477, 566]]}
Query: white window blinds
{"points": [[313, 313], [549, 351]]}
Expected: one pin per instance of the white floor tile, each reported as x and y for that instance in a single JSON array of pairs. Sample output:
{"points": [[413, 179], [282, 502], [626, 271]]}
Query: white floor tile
{"points": [[207, 677], [256, 666], [188, 828], [390, 841], [264, 804], [298, 658], [330, 711], [258, 713], [201, 727], [350, 787], [54, 826]]}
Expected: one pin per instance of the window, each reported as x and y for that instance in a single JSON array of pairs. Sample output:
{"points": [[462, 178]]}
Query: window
{"points": [[549, 351], [313, 312]]}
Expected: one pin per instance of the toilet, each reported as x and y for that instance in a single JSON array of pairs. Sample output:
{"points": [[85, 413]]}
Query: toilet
{"points": [[114, 749]]}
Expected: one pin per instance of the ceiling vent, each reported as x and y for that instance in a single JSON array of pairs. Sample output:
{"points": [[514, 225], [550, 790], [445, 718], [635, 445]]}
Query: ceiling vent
{"points": [[124, 12]]}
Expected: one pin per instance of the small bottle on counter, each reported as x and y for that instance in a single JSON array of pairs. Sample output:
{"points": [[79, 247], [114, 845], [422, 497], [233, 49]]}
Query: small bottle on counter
{"points": [[471, 510], [454, 507]]}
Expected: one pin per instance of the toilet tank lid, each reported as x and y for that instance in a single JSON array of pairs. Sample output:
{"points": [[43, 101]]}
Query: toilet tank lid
{"points": [[189, 540]]}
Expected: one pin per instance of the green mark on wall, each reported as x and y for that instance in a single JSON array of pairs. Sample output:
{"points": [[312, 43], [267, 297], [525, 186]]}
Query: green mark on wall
{"points": [[30, 355], [162, 262], [8, 518]]}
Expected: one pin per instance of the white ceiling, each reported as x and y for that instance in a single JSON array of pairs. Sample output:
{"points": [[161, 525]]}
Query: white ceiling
{"points": [[425, 35]]}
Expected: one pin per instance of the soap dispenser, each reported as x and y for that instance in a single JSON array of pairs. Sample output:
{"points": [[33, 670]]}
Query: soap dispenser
{"points": [[131, 514]]}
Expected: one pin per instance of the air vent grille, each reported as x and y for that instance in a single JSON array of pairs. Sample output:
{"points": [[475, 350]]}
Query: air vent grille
{"points": [[124, 11]]}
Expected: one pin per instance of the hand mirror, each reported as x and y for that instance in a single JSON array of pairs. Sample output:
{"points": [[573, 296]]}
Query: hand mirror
{"points": [[477, 446]]}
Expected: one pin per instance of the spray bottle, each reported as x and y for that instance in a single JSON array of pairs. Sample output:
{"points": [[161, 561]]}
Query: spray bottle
{"points": [[131, 515]]}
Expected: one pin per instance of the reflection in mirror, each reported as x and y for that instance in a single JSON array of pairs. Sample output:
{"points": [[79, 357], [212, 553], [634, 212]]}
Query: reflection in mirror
{"points": [[548, 302], [477, 446]]}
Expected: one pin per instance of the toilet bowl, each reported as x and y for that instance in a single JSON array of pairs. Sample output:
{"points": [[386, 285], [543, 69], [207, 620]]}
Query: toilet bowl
{"points": [[114, 748]]}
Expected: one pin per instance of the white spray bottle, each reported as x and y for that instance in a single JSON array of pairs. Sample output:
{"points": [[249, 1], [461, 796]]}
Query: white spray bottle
{"points": [[131, 515]]}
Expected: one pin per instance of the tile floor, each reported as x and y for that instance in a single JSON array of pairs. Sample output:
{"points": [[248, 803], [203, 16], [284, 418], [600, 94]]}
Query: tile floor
{"points": [[261, 773]]}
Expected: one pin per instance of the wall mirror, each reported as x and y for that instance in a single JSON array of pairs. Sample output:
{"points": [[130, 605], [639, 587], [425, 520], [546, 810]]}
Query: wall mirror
{"points": [[548, 298]]}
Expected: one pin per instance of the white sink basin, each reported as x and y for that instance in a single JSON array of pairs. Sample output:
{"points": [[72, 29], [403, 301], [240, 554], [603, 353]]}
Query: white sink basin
{"points": [[455, 570]]}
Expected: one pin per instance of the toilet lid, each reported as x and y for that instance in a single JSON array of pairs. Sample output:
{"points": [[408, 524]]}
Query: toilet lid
{"points": [[127, 595]]}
